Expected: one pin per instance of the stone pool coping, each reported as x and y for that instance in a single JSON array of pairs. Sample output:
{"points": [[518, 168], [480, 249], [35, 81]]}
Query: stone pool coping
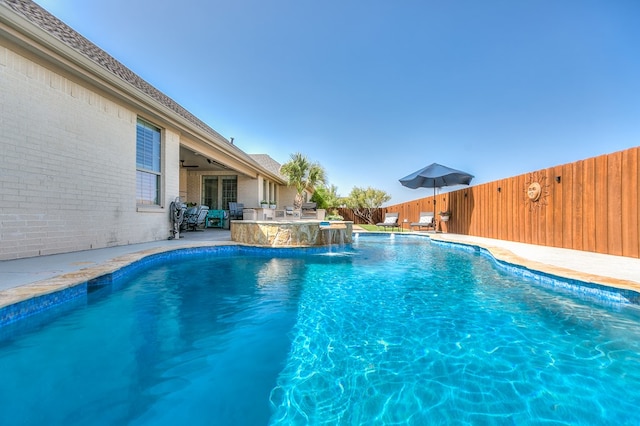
{"points": [[71, 279], [502, 252]]}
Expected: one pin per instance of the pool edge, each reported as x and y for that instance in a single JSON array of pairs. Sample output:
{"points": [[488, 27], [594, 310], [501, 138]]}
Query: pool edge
{"points": [[551, 275], [29, 299]]}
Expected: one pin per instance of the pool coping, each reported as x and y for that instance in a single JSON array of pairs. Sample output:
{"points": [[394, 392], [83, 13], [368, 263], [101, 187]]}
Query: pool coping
{"points": [[592, 290], [67, 280], [25, 300], [504, 255]]}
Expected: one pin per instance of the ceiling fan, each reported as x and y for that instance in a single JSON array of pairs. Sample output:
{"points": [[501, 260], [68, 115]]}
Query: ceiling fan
{"points": [[187, 167]]}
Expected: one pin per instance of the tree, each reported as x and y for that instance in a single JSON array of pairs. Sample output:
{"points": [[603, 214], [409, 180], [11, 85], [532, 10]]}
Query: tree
{"points": [[326, 197], [302, 174], [365, 202]]}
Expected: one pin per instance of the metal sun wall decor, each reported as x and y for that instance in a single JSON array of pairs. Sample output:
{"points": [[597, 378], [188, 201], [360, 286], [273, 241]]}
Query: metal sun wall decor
{"points": [[536, 191]]}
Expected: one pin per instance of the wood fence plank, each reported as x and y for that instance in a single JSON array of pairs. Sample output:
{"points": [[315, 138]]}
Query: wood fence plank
{"points": [[556, 207], [523, 208], [503, 195], [478, 216], [517, 206], [495, 208], [492, 189], [614, 203], [589, 205], [601, 203], [567, 208], [534, 215], [508, 220], [462, 206], [577, 218], [456, 203], [545, 210], [470, 206], [629, 211], [477, 212], [484, 205], [547, 225]]}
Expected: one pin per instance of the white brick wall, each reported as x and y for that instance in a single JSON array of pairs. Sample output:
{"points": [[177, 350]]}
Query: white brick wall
{"points": [[67, 166]]}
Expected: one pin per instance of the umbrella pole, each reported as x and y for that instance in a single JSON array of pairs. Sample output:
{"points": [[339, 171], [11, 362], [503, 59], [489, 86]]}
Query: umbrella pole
{"points": [[434, 208]]}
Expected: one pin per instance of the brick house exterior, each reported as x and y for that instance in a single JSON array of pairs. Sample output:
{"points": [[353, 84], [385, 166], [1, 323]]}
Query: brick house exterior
{"points": [[70, 147]]}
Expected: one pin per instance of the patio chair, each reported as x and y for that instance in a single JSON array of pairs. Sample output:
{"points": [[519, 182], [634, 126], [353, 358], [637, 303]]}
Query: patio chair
{"points": [[426, 220], [291, 213], [309, 211], [390, 221], [235, 211], [196, 217]]}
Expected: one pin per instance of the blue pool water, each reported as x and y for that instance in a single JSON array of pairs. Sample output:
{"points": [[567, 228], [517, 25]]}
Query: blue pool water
{"points": [[390, 332]]}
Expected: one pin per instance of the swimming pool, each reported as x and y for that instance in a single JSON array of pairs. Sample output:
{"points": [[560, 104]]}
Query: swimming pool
{"points": [[389, 332]]}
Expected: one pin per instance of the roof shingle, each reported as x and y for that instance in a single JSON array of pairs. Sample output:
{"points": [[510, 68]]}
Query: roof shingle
{"points": [[61, 31]]}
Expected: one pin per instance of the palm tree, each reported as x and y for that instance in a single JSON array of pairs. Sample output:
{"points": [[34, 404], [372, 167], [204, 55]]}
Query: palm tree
{"points": [[302, 174]]}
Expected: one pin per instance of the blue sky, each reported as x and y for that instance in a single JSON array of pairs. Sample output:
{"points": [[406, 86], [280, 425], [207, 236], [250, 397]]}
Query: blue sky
{"points": [[374, 90]]}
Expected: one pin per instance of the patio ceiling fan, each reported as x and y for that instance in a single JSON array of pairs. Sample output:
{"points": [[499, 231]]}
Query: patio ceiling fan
{"points": [[187, 166]]}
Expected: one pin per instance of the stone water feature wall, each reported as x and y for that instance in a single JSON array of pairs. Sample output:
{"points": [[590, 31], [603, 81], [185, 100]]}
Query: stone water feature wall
{"points": [[291, 234]]}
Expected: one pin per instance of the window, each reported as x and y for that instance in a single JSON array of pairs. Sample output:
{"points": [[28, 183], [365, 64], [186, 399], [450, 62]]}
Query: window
{"points": [[229, 190], [210, 192], [223, 188], [147, 164]]}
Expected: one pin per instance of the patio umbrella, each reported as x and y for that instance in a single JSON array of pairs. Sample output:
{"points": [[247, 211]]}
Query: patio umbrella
{"points": [[436, 175]]}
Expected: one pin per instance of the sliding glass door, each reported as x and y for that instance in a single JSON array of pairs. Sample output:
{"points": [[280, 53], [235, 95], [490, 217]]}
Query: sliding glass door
{"points": [[219, 191]]}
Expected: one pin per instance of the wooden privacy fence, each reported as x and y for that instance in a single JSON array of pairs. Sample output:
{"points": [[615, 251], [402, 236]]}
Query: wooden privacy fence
{"points": [[347, 214], [591, 205]]}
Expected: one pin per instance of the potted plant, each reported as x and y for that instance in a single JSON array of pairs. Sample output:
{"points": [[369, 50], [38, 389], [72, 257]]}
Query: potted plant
{"points": [[264, 204], [444, 215], [272, 204]]}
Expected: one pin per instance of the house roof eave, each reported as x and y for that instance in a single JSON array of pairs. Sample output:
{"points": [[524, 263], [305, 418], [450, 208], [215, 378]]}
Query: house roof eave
{"points": [[25, 23]]}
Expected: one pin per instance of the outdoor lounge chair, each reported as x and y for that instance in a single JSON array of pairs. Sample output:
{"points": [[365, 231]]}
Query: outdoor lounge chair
{"points": [[390, 221], [309, 211], [235, 210], [196, 217], [426, 220]]}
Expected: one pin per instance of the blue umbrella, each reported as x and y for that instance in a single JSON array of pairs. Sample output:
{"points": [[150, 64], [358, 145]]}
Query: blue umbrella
{"points": [[436, 176]]}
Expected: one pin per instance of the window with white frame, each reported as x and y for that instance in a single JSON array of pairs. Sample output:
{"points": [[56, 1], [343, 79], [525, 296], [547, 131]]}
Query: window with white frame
{"points": [[210, 192], [218, 191], [148, 156], [229, 190]]}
